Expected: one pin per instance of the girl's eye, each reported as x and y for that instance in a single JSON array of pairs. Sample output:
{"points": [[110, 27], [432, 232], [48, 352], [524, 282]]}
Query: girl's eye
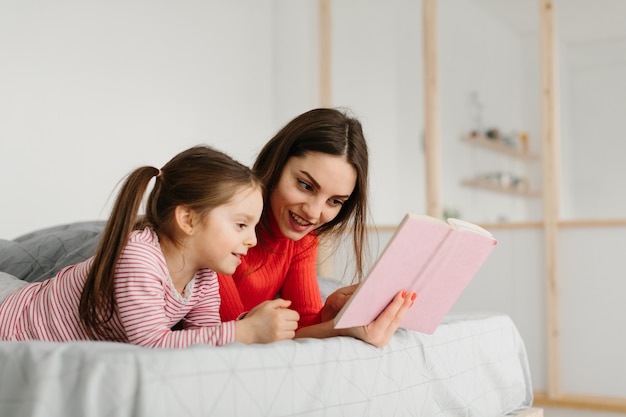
{"points": [[305, 185], [336, 202], [241, 225]]}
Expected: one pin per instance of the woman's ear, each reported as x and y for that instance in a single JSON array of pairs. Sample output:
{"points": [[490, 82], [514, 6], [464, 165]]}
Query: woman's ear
{"points": [[184, 219]]}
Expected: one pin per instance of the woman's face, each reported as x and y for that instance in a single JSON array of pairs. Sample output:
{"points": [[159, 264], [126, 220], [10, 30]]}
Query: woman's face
{"points": [[310, 192]]}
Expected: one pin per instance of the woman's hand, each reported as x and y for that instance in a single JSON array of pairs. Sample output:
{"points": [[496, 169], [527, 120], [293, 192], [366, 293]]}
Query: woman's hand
{"points": [[377, 333], [270, 321], [336, 301], [380, 331]]}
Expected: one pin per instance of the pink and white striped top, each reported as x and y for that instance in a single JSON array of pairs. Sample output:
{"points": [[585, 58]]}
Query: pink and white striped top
{"points": [[148, 305]]}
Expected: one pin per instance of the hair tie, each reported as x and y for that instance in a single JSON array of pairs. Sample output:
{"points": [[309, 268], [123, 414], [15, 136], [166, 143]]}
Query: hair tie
{"points": [[159, 174]]}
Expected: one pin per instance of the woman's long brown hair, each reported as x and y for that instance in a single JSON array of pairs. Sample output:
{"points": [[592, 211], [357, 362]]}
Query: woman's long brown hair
{"points": [[327, 131]]}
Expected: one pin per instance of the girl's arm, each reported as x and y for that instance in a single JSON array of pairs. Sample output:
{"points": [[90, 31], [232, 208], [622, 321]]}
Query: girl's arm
{"points": [[146, 305], [270, 321], [377, 333]]}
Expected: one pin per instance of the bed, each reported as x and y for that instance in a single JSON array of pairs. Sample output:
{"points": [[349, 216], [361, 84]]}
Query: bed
{"points": [[473, 365]]}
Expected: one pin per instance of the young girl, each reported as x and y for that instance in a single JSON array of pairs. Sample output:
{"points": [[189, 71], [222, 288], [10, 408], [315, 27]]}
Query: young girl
{"points": [[315, 170], [154, 273]]}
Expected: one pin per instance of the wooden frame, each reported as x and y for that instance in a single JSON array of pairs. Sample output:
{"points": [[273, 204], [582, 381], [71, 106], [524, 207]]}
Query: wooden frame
{"points": [[432, 141], [551, 201], [551, 193], [551, 184], [529, 412], [325, 262], [431, 109]]}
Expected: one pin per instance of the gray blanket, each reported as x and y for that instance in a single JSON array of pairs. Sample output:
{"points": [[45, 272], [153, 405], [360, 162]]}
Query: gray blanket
{"points": [[39, 255]]}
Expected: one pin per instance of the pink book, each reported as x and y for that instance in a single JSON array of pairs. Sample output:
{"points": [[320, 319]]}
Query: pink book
{"points": [[434, 258]]}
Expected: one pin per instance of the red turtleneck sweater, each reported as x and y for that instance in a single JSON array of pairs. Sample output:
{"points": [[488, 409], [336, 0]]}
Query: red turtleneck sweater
{"points": [[276, 267]]}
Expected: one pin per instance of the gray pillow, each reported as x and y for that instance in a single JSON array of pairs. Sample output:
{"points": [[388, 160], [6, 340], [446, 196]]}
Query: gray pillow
{"points": [[8, 284], [39, 255]]}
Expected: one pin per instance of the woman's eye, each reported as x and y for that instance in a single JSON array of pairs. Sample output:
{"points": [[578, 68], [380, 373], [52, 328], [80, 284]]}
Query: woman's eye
{"points": [[336, 202], [241, 225], [305, 185]]}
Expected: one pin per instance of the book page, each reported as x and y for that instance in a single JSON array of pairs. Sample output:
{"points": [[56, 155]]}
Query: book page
{"points": [[464, 225], [440, 284]]}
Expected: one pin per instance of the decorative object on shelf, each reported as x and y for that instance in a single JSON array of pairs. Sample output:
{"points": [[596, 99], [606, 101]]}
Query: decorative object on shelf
{"points": [[513, 141], [504, 180], [451, 212], [517, 148], [515, 145], [495, 186], [523, 137]]}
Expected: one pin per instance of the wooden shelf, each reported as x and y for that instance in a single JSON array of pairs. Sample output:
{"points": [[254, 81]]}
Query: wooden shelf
{"points": [[498, 146], [499, 188]]}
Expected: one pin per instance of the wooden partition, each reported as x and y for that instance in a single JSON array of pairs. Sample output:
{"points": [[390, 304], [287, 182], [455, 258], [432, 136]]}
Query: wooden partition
{"points": [[551, 224], [551, 196], [325, 262], [431, 109], [551, 193]]}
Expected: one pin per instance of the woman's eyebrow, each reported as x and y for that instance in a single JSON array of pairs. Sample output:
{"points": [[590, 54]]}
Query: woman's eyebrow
{"points": [[310, 178]]}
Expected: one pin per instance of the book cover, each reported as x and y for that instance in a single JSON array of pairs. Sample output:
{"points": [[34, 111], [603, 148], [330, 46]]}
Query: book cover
{"points": [[434, 258]]}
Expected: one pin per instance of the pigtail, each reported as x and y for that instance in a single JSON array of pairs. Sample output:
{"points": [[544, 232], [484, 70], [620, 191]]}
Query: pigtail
{"points": [[97, 301]]}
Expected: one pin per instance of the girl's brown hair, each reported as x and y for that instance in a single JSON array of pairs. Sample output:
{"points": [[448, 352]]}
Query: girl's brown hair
{"points": [[200, 178], [327, 131]]}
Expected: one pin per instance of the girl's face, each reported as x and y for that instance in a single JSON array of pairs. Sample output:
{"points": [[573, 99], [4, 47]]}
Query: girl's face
{"points": [[310, 192], [228, 232]]}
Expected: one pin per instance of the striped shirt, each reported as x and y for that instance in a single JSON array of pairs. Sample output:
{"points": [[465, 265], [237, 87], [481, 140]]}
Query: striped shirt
{"points": [[147, 304]]}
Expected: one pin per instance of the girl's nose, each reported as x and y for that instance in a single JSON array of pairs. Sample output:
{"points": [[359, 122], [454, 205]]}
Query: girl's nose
{"points": [[251, 239]]}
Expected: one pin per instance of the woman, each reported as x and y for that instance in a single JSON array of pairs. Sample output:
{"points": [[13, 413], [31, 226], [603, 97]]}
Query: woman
{"points": [[315, 172]]}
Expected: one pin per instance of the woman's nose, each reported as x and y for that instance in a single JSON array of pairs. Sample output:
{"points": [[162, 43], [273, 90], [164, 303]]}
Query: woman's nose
{"points": [[313, 209]]}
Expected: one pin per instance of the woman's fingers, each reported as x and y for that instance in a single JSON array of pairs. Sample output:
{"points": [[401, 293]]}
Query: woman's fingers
{"points": [[380, 331], [335, 301]]}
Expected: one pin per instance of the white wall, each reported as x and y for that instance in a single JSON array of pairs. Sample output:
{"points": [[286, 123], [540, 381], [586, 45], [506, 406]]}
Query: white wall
{"points": [[377, 72], [89, 91], [596, 128]]}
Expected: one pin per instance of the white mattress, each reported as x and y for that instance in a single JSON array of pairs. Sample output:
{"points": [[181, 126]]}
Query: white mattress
{"points": [[471, 366]]}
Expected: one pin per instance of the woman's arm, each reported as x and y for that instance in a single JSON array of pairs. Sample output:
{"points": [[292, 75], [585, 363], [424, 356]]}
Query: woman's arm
{"points": [[377, 333]]}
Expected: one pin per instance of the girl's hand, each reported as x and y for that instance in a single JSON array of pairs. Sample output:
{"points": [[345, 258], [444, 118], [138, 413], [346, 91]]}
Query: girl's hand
{"points": [[270, 321], [336, 301], [380, 331]]}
